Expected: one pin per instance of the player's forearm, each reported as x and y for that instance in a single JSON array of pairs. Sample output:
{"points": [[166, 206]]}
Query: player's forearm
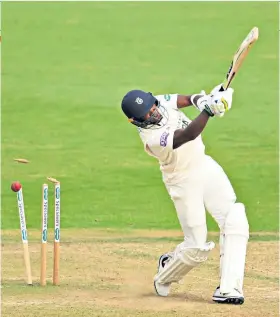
{"points": [[186, 101], [192, 131]]}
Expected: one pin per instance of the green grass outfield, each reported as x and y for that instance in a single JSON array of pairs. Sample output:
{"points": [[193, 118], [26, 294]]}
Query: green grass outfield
{"points": [[65, 68]]}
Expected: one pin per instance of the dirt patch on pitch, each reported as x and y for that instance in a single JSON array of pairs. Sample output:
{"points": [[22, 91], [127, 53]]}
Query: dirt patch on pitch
{"points": [[106, 277]]}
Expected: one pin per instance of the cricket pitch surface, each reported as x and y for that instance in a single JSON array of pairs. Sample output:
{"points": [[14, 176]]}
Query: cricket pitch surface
{"points": [[110, 273]]}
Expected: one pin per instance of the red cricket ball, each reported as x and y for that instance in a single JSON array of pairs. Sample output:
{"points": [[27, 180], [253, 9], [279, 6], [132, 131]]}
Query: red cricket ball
{"points": [[16, 186]]}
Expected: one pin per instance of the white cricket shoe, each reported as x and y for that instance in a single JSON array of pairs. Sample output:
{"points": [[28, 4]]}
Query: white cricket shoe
{"points": [[162, 289], [234, 297]]}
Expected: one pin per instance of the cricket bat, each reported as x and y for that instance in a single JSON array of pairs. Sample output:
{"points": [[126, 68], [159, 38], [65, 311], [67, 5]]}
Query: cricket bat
{"points": [[239, 57]]}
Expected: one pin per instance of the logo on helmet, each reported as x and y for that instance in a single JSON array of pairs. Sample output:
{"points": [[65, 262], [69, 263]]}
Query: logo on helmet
{"points": [[139, 100]]}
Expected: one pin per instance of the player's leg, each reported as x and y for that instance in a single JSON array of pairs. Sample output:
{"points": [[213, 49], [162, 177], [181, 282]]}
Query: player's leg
{"points": [[188, 201], [220, 201]]}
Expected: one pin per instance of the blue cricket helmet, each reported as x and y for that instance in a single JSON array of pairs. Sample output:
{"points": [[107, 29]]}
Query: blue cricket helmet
{"points": [[136, 104]]}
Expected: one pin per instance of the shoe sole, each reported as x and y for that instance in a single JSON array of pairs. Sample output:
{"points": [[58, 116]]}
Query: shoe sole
{"points": [[156, 289], [229, 300], [158, 292]]}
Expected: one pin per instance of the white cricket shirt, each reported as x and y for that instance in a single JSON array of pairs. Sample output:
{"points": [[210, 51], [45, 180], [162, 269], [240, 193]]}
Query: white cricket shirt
{"points": [[174, 164]]}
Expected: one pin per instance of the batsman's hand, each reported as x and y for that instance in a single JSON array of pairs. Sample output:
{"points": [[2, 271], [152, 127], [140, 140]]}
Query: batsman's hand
{"points": [[221, 101], [216, 103], [202, 102]]}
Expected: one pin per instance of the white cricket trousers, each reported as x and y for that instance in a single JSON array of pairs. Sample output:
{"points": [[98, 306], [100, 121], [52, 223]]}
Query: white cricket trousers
{"points": [[206, 187]]}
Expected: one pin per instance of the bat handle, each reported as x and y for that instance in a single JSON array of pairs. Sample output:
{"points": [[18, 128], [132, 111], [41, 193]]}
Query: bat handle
{"points": [[222, 88]]}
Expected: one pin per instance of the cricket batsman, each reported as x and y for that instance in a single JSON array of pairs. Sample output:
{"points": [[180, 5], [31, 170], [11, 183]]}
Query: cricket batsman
{"points": [[195, 183]]}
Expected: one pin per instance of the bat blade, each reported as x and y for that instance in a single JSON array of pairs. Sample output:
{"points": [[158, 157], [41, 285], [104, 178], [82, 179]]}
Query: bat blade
{"points": [[239, 56]]}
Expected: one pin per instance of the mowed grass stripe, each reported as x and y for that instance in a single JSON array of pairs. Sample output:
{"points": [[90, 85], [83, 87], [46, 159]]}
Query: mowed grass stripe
{"points": [[61, 106]]}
